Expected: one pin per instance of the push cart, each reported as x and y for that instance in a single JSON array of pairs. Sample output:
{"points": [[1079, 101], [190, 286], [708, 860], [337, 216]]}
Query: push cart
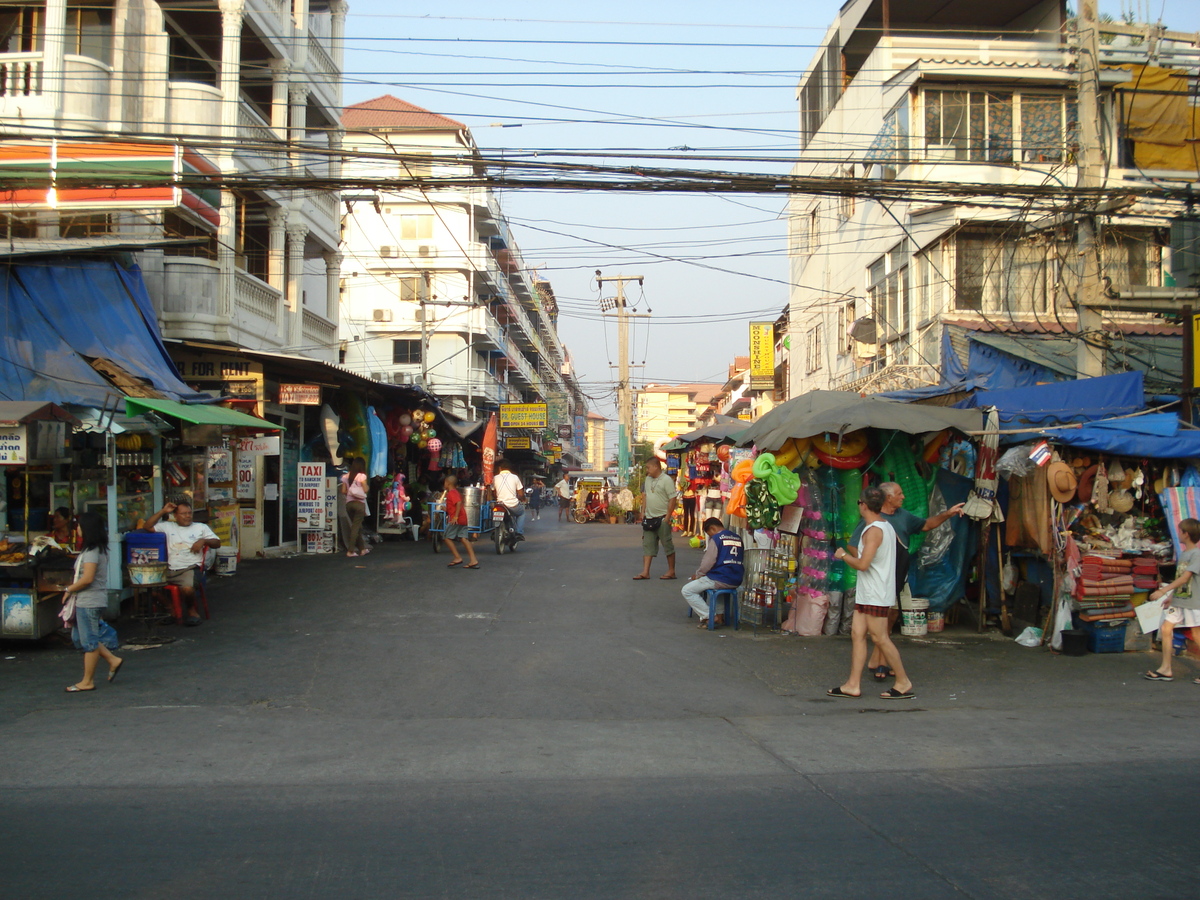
{"points": [[479, 517]]}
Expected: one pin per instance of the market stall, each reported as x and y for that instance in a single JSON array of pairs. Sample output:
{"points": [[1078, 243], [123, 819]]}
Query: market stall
{"points": [[1094, 485], [797, 477]]}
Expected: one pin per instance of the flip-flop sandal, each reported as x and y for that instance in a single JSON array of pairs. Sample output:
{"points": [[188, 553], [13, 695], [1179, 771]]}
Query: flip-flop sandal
{"points": [[882, 673], [641, 577], [838, 692], [453, 564], [667, 577], [893, 694], [112, 673], [78, 690], [476, 566], [1158, 676]]}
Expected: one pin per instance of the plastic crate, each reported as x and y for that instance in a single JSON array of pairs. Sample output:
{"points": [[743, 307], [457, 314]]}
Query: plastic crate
{"points": [[1106, 636]]}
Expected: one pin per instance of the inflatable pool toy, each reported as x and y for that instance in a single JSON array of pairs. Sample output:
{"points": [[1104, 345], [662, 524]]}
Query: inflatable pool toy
{"points": [[329, 425], [377, 464]]}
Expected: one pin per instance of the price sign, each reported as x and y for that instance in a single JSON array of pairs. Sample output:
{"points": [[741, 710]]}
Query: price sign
{"points": [[245, 478], [310, 496]]}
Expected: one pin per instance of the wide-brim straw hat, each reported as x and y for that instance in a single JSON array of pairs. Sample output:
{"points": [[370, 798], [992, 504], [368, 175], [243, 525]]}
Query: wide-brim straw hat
{"points": [[1062, 481]]}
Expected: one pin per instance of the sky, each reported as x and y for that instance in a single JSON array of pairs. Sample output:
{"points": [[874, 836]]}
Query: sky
{"points": [[624, 77]]}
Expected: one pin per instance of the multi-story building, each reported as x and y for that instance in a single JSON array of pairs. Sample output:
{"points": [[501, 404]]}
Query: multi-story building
{"points": [[595, 440], [246, 88], [958, 92], [434, 286], [663, 411]]}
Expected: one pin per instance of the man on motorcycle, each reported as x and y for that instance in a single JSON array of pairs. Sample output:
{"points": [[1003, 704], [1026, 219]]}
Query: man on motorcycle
{"points": [[511, 493]]}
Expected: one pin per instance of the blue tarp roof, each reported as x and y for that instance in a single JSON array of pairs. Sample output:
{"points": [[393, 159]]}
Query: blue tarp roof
{"points": [[58, 315], [1064, 401], [1156, 435]]}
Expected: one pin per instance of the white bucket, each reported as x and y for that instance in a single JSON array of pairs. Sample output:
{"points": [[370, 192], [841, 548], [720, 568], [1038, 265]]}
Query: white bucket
{"points": [[908, 601], [912, 622], [227, 561], [935, 621], [416, 532]]}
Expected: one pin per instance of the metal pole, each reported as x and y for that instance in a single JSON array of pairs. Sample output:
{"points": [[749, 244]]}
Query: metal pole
{"points": [[623, 406], [1188, 387]]}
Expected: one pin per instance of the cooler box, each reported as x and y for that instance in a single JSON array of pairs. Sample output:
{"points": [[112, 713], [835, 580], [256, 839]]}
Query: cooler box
{"points": [[142, 548]]}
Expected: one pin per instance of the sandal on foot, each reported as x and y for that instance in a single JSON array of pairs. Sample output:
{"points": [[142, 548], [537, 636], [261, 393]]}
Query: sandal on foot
{"points": [[457, 562], [838, 692], [475, 566], [894, 694], [72, 689], [1157, 676], [882, 673], [641, 577], [112, 673]]}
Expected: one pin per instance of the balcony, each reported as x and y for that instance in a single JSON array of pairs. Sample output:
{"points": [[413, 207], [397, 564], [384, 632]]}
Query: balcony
{"points": [[24, 81], [194, 108], [255, 297], [323, 71], [261, 137], [319, 334], [21, 74]]}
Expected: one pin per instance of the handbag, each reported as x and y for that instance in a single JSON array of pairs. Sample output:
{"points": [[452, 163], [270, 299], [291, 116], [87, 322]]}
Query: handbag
{"points": [[67, 613], [652, 523]]}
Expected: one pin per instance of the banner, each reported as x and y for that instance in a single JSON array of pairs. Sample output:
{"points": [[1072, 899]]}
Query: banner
{"points": [[762, 355], [518, 443], [523, 415], [300, 394]]}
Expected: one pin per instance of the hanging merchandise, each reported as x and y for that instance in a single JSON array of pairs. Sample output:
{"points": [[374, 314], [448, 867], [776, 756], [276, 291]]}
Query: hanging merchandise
{"points": [[781, 483], [981, 504], [741, 474], [434, 446], [395, 501], [761, 508], [377, 464]]}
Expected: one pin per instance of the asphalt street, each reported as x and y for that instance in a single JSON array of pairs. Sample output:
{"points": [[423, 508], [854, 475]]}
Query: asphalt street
{"points": [[545, 727]]}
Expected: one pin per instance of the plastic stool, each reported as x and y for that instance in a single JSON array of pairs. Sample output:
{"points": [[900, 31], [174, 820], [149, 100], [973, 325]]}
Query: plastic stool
{"points": [[729, 597], [177, 599]]}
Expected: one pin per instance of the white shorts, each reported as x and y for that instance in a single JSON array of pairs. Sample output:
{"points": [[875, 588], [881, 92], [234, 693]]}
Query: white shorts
{"points": [[1183, 618]]}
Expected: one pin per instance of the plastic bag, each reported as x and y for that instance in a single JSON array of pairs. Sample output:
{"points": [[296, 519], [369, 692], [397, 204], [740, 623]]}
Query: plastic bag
{"points": [[1030, 637], [1016, 462]]}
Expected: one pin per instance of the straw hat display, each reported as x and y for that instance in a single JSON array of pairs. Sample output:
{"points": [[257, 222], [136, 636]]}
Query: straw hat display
{"points": [[1120, 500], [1062, 481]]}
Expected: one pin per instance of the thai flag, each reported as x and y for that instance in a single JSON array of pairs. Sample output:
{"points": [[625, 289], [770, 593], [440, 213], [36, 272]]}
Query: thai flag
{"points": [[1040, 453]]}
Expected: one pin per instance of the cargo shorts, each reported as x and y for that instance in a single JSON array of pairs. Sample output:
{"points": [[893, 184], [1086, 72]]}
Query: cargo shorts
{"points": [[651, 539]]}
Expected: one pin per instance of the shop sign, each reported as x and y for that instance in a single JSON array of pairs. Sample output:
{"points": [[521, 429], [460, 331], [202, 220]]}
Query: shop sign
{"points": [[745, 417], [300, 394], [246, 465], [1195, 351], [257, 446], [13, 445], [310, 496], [220, 466], [580, 431], [762, 355], [564, 432], [249, 519], [518, 443], [523, 415]]}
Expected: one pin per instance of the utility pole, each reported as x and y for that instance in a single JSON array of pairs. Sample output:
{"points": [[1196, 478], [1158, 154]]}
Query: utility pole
{"points": [[1089, 351], [624, 394]]}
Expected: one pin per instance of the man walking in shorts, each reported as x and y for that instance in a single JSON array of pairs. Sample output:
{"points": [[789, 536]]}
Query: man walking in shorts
{"points": [[658, 505], [562, 491]]}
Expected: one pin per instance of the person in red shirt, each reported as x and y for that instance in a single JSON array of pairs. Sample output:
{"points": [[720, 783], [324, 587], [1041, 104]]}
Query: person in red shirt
{"points": [[456, 524]]}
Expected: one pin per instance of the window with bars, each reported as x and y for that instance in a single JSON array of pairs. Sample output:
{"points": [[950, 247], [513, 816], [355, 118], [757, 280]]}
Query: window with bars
{"points": [[998, 126], [814, 338], [889, 293]]}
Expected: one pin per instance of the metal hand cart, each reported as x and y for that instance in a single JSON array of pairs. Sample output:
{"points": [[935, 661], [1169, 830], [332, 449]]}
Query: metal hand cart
{"points": [[479, 517]]}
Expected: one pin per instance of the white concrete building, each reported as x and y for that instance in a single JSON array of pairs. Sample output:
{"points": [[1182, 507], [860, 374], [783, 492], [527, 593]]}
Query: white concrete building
{"points": [[244, 85], [958, 92], [434, 288]]}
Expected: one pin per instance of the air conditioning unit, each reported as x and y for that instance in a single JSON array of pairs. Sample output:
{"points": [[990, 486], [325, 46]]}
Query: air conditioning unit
{"points": [[425, 250], [379, 376], [402, 378], [387, 251], [381, 315], [425, 315]]}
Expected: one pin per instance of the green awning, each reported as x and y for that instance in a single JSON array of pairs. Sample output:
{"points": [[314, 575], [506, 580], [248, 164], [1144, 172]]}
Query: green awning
{"points": [[200, 414]]}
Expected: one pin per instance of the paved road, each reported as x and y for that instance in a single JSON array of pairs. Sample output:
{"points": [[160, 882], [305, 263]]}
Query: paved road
{"points": [[546, 727]]}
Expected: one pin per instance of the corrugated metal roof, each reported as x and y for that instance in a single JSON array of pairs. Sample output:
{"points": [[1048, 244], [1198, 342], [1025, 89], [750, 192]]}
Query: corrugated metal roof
{"points": [[392, 112]]}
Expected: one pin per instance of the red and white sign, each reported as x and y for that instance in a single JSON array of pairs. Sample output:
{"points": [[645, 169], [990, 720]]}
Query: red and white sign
{"points": [[256, 446], [300, 394]]}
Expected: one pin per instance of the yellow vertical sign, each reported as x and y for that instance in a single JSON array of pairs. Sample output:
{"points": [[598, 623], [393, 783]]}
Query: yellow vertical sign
{"points": [[1195, 351], [762, 355]]}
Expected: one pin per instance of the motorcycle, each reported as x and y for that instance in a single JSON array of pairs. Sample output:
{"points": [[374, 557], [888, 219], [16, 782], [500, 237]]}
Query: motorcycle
{"points": [[504, 531]]}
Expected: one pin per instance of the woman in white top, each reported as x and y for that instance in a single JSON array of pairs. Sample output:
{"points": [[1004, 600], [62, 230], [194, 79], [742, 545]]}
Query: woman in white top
{"points": [[875, 561]]}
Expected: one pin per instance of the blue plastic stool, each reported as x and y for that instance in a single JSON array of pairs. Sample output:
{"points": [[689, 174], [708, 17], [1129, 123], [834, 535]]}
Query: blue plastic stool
{"points": [[729, 597]]}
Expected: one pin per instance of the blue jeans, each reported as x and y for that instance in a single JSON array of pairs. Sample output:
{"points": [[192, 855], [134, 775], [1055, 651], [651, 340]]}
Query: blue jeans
{"points": [[518, 516], [91, 631]]}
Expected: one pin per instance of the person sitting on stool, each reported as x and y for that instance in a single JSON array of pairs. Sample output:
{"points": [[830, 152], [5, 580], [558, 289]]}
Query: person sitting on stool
{"points": [[720, 568], [187, 542]]}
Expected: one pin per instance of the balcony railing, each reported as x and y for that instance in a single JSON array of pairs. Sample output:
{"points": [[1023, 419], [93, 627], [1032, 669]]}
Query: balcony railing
{"points": [[319, 333], [253, 129], [893, 378], [257, 297], [21, 74], [319, 61]]}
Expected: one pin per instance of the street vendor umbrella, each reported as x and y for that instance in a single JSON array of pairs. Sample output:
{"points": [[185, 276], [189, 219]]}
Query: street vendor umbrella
{"points": [[489, 450], [714, 431], [840, 412]]}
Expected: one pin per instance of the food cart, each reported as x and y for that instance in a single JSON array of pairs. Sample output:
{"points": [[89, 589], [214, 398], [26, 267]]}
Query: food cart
{"points": [[479, 516]]}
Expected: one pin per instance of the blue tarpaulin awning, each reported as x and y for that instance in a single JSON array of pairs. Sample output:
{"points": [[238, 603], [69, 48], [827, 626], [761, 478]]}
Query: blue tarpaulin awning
{"points": [[1156, 435], [1064, 401], [62, 314]]}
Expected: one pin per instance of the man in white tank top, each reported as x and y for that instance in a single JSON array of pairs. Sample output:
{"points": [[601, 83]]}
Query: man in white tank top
{"points": [[875, 561]]}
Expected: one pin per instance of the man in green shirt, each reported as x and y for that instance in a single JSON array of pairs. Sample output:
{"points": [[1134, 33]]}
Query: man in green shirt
{"points": [[658, 502]]}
